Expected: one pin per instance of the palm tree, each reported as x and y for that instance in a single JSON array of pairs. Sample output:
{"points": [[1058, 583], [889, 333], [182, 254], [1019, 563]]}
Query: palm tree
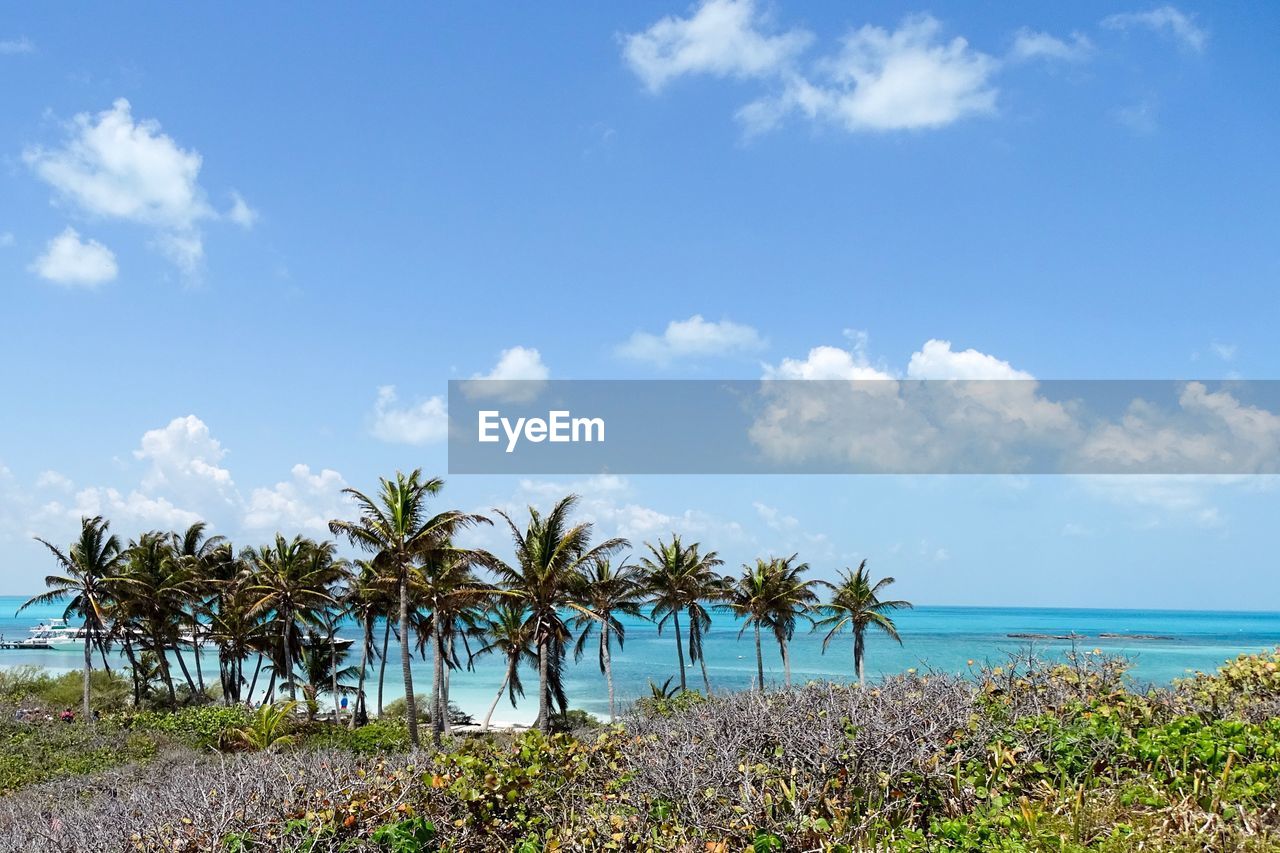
{"points": [[679, 578], [548, 580], [322, 671], [396, 529], [87, 566], [748, 597], [791, 599], [509, 633], [292, 580], [198, 554], [447, 588], [855, 603], [363, 598], [608, 593], [152, 594]]}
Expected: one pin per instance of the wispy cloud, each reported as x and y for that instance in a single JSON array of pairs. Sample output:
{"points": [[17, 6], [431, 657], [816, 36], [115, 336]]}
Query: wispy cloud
{"points": [[13, 47], [1165, 19]]}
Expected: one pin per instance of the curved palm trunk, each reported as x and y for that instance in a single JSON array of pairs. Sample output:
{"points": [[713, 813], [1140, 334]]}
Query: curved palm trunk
{"points": [[254, 683], [679, 650], [162, 660], [859, 643], [759, 658], [786, 663], [484, 727], [544, 695], [182, 665], [133, 671], [333, 678], [382, 667], [88, 668], [607, 659], [410, 706], [702, 661], [195, 645], [287, 652], [444, 700], [437, 680], [367, 640]]}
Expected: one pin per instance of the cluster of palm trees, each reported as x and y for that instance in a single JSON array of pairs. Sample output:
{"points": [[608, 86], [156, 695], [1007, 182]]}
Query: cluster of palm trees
{"points": [[281, 604]]}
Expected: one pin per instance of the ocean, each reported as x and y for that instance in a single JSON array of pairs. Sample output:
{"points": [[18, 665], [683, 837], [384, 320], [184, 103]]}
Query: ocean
{"points": [[1173, 645]]}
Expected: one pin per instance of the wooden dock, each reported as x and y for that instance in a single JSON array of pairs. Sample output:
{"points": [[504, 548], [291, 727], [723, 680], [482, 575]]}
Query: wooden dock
{"points": [[10, 644]]}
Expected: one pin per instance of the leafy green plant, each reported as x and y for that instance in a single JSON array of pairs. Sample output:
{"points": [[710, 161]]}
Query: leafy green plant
{"points": [[266, 731], [413, 835]]}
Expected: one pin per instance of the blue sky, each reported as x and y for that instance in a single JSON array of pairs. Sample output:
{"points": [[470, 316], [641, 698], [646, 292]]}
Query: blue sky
{"points": [[224, 238]]}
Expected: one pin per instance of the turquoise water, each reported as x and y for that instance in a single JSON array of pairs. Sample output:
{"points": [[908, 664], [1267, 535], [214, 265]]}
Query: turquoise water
{"points": [[939, 638]]}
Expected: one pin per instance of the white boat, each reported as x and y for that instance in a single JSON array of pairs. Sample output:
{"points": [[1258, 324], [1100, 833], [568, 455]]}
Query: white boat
{"points": [[55, 634]]}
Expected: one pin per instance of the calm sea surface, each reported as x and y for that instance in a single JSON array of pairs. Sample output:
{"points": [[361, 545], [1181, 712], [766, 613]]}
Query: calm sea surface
{"points": [[940, 638]]}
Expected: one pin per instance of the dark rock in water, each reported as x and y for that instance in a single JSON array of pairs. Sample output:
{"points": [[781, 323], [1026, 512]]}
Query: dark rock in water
{"points": [[1046, 636], [1135, 637]]}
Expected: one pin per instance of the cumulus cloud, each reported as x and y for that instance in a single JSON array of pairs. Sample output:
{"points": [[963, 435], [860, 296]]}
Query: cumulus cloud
{"points": [[721, 38], [183, 481], [862, 416], [134, 510], [305, 502], [1209, 431], [936, 360], [1167, 20], [113, 167], [71, 261], [1029, 45], [907, 79], [692, 338], [424, 422], [184, 461], [518, 377]]}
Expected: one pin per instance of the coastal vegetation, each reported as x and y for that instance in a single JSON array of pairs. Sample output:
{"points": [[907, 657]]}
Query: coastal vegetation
{"points": [[1029, 754]]}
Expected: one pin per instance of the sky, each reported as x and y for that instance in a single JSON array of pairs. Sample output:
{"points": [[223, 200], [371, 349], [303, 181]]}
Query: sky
{"points": [[243, 251]]}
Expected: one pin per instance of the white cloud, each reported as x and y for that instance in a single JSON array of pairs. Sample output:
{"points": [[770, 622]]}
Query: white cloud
{"points": [[241, 213], [113, 167], [690, 339], [74, 262], [517, 377], [54, 480], [134, 510], [1210, 431], [304, 503], [826, 362], [721, 38], [185, 459], [516, 364], [878, 424], [1165, 19], [936, 360], [422, 423], [1029, 44], [12, 47], [907, 79]]}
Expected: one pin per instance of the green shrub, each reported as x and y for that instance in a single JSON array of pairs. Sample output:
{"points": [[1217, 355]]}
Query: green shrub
{"points": [[202, 727], [396, 708], [32, 685]]}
